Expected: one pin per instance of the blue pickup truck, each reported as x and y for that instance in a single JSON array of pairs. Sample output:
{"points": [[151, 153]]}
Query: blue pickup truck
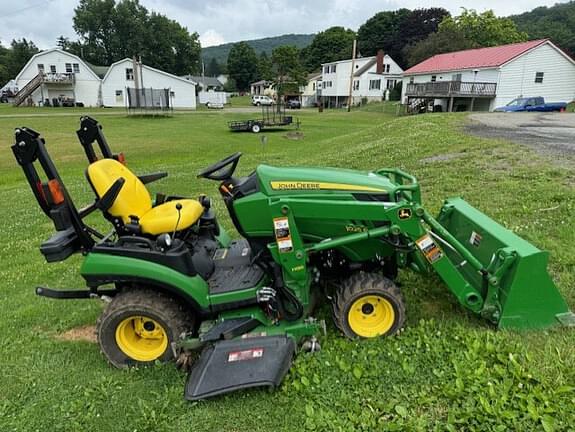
{"points": [[532, 104]]}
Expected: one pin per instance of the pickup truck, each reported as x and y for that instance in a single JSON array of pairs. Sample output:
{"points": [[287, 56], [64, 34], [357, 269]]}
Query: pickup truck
{"points": [[532, 104]]}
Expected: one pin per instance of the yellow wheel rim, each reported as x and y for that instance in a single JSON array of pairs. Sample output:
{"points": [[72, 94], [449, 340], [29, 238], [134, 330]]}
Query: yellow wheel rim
{"points": [[371, 316], [141, 338]]}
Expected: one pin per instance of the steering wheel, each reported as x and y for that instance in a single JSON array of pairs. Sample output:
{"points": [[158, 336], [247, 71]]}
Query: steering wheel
{"points": [[217, 171]]}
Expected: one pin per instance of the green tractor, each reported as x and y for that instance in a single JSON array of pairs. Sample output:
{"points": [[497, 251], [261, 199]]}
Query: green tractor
{"points": [[177, 284]]}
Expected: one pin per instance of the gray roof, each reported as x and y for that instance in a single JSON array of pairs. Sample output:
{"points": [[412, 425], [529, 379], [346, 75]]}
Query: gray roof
{"points": [[365, 67], [204, 81], [98, 70]]}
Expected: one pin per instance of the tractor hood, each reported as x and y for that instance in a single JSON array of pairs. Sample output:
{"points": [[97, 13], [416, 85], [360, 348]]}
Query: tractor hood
{"points": [[281, 181]]}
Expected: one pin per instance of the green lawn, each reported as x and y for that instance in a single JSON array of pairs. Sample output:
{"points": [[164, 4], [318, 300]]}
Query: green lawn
{"points": [[447, 370]]}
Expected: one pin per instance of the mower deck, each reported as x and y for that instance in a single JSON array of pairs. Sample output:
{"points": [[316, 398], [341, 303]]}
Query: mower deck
{"points": [[230, 365]]}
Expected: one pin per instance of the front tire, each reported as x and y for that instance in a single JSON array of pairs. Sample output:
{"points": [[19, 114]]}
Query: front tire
{"points": [[368, 305], [139, 326], [256, 128]]}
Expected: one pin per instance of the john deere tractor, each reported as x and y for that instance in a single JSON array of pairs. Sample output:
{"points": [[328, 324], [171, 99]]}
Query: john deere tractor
{"points": [[176, 283]]}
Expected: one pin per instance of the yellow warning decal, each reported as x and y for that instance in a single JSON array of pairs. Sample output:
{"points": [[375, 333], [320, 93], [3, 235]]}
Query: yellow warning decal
{"points": [[303, 185]]}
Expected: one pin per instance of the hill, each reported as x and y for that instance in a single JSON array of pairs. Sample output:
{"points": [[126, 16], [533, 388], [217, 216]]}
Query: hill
{"points": [[556, 23], [220, 52]]}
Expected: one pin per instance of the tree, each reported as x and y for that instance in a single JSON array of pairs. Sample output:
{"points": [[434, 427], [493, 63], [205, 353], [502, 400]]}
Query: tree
{"points": [[556, 23], [4, 73], [483, 29], [289, 70], [381, 31], [21, 50], [242, 65], [436, 43], [110, 31], [393, 30], [330, 45], [265, 71], [63, 43], [213, 68]]}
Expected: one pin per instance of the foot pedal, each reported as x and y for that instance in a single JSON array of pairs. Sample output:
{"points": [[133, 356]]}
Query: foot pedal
{"points": [[229, 329], [230, 365]]}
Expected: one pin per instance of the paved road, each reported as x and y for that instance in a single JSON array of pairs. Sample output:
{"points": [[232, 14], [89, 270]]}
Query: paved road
{"points": [[552, 134]]}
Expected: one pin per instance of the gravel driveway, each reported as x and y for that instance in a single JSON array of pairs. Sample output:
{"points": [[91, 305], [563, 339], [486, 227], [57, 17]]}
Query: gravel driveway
{"points": [[552, 134]]}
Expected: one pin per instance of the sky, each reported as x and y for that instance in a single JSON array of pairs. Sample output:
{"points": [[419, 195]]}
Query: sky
{"points": [[220, 21]]}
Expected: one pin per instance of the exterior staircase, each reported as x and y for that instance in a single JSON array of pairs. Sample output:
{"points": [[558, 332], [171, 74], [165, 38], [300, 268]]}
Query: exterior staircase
{"points": [[28, 89]]}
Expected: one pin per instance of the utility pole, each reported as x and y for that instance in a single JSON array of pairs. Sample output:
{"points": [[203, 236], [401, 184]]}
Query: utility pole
{"points": [[351, 75]]}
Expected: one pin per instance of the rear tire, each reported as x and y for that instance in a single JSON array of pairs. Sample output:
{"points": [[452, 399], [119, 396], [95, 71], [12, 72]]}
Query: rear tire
{"points": [[256, 128], [368, 305], [139, 326]]}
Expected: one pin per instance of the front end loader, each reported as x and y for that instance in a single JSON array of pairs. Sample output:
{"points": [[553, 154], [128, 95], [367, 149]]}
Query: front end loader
{"points": [[178, 284]]}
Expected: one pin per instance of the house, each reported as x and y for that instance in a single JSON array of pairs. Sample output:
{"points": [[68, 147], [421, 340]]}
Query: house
{"points": [[57, 75], [485, 78], [205, 83], [258, 87], [373, 78], [311, 92], [122, 74]]}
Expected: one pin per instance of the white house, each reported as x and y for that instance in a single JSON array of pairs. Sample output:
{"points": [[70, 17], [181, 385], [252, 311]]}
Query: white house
{"points": [[372, 78], [121, 75], [485, 78], [311, 92], [55, 74]]}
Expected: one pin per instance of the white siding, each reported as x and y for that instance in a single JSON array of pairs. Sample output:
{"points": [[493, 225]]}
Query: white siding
{"points": [[340, 78], [518, 77], [87, 83], [184, 92]]}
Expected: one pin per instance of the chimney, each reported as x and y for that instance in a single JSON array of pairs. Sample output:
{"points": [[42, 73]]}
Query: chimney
{"points": [[379, 62]]}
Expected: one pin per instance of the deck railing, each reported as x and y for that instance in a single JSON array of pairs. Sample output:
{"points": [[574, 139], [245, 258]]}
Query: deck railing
{"points": [[451, 88]]}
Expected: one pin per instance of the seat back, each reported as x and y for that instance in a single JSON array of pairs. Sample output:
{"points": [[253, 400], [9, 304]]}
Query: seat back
{"points": [[133, 199]]}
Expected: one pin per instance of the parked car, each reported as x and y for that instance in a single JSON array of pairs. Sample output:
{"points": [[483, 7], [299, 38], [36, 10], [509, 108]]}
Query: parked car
{"points": [[258, 100], [532, 104], [293, 104]]}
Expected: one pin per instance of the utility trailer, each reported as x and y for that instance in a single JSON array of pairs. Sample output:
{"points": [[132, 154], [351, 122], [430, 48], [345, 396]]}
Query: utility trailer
{"points": [[273, 116]]}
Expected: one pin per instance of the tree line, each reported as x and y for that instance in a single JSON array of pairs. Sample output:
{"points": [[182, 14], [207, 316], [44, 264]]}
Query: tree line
{"points": [[110, 30], [407, 36]]}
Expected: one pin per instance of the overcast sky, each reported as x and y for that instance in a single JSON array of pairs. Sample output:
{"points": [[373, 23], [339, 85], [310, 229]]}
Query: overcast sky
{"points": [[220, 21]]}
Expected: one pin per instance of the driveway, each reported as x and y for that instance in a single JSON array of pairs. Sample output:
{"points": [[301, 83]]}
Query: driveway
{"points": [[552, 134]]}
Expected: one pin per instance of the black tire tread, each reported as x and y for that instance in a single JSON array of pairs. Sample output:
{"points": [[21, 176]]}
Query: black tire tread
{"points": [[178, 319], [357, 284]]}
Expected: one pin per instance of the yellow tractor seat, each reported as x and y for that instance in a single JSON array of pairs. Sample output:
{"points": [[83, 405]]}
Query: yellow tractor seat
{"points": [[134, 200]]}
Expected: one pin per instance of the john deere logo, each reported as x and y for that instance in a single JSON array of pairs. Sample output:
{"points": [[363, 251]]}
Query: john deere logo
{"points": [[404, 213]]}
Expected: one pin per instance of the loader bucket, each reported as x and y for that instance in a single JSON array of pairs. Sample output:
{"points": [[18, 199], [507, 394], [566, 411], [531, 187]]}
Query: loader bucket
{"points": [[517, 290]]}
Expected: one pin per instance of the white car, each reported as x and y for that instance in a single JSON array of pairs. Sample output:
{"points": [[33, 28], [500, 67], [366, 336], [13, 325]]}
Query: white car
{"points": [[262, 100]]}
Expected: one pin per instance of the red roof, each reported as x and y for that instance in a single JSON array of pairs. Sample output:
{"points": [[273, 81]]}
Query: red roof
{"points": [[473, 58]]}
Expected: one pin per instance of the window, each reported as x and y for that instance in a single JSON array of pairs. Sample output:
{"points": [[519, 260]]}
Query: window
{"points": [[313, 86], [326, 69], [390, 84], [387, 68], [324, 83], [53, 69], [411, 80], [539, 77], [374, 84], [333, 68], [456, 77], [40, 68], [172, 94], [129, 74], [68, 67], [76, 68], [356, 84], [118, 92], [433, 78]]}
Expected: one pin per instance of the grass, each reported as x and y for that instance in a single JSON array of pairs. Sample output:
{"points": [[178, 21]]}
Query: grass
{"points": [[241, 101], [447, 370]]}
